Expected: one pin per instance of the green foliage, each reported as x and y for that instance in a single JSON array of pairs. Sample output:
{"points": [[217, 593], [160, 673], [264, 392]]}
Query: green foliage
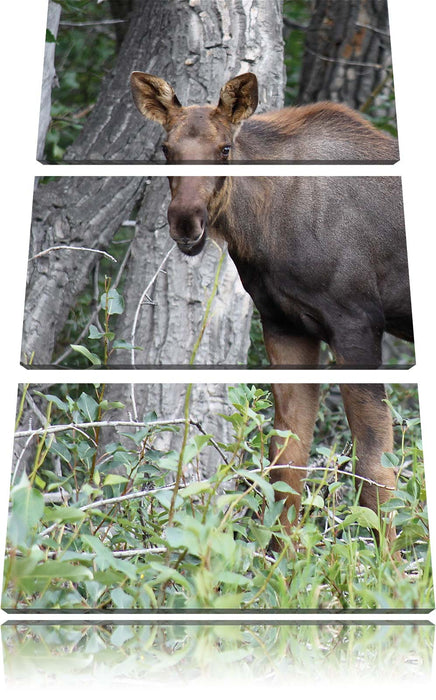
{"points": [[298, 12], [139, 528], [84, 54], [88, 337]]}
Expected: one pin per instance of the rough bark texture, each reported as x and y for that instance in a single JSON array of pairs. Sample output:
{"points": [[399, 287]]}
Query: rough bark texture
{"points": [[48, 77], [347, 55], [75, 212], [197, 45]]}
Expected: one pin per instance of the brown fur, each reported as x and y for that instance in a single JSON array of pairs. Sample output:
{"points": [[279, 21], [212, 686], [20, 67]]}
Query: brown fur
{"points": [[322, 258], [320, 132]]}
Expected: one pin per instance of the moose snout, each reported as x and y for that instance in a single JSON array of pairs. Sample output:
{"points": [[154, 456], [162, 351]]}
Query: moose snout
{"points": [[188, 226]]}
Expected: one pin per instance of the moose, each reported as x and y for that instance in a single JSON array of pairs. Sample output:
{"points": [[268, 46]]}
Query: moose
{"points": [[323, 258]]}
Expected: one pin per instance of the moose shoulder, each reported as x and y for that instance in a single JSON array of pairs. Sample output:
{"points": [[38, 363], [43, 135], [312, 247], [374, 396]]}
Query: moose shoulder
{"points": [[324, 258], [324, 131]]}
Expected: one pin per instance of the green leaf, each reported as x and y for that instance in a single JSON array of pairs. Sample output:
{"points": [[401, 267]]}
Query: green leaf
{"points": [[107, 405], [114, 479], [124, 345], [314, 501], [264, 485], [86, 353], [260, 534], [179, 538], [121, 600], [397, 416], [194, 488], [62, 405], [26, 511], [105, 559], [164, 498], [283, 487], [61, 450], [87, 406], [112, 302], [413, 488], [166, 573], [33, 578], [365, 517], [63, 514], [272, 513], [233, 578], [389, 460], [95, 334]]}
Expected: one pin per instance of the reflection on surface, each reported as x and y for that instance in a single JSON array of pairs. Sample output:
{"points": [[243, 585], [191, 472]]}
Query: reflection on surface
{"points": [[36, 653]]}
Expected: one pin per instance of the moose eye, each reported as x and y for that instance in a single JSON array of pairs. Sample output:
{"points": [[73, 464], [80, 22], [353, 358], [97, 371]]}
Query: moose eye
{"points": [[165, 150], [225, 152]]}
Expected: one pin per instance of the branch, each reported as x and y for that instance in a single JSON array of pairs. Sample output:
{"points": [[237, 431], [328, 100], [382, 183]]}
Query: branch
{"points": [[372, 29], [344, 62], [70, 247], [149, 301], [93, 24], [135, 322], [333, 470], [82, 427]]}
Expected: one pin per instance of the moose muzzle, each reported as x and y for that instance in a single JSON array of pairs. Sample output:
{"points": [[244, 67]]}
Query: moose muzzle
{"points": [[188, 224]]}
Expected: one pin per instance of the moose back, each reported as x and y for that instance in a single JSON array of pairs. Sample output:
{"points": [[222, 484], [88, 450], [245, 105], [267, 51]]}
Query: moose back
{"points": [[323, 258]]}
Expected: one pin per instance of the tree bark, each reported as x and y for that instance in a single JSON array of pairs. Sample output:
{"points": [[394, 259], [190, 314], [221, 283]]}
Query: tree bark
{"points": [[75, 212], [197, 45], [347, 56]]}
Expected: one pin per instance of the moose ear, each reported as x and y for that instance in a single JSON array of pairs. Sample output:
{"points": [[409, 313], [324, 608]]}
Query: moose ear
{"points": [[239, 97], [154, 98]]}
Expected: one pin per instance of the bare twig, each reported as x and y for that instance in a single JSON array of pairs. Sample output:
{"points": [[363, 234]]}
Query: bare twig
{"points": [[334, 470], [144, 295], [96, 424], [95, 23], [70, 247], [372, 29], [344, 61]]}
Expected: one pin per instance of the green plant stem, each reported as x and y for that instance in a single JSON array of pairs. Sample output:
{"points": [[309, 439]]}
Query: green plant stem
{"points": [[100, 396], [187, 404], [179, 472], [21, 406], [208, 308], [38, 459]]}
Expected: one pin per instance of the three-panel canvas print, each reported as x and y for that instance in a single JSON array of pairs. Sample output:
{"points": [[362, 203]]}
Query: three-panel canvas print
{"points": [[219, 229]]}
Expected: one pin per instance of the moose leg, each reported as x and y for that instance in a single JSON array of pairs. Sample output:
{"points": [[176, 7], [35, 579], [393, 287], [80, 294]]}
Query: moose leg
{"points": [[356, 340], [296, 408], [371, 427]]}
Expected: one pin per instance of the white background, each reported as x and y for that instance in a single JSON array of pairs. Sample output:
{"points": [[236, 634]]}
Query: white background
{"points": [[413, 28]]}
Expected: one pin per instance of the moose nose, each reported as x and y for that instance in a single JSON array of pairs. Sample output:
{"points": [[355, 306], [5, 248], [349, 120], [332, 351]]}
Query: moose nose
{"points": [[187, 226]]}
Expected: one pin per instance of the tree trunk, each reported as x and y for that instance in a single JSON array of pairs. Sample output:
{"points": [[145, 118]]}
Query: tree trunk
{"points": [[75, 212], [197, 45], [347, 56]]}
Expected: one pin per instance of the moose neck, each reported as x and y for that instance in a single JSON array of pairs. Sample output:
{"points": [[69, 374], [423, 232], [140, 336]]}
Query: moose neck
{"points": [[239, 215], [313, 133]]}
